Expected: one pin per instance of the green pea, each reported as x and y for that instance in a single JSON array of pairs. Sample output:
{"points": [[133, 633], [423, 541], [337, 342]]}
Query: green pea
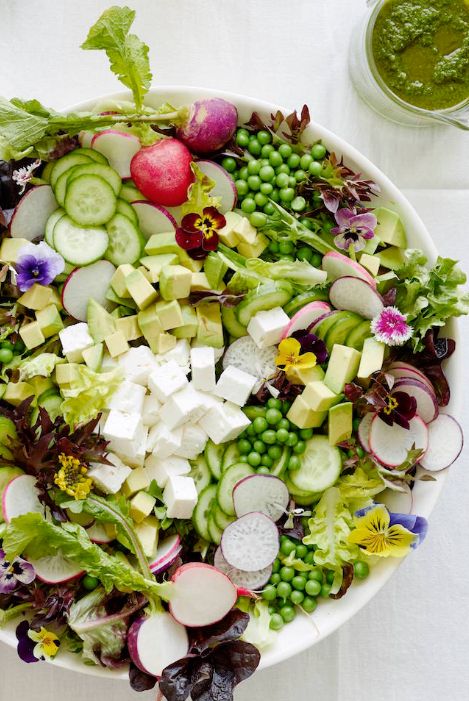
{"points": [[287, 573], [250, 431], [274, 451], [266, 460], [292, 439], [291, 181], [283, 423], [288, 613], [273, 246], [287, 194], [360, 452], [248, 205], [298, 582], [254, 182], [297, 597], [316, 575], [316, 260], [276, 622], [309, 604], [276, 565], [305, 161], [330, 577], [269, 593], [269, 209], [325, 590], [8, 345], [264, 137], [286, 406], [253, 167], [89, 583], [242, 187], [306, 434], [244, 446], [273, 403], [283, 169], [263, 161], [6, 355], [286, 248], [361, 570], [294, 462], [269, 437], [257, 219], [267, 173], [229, 164], [260, 200], [294, 160], [275, 578], [242, 138], [259, 424], [275, 159], [313, 587], [298, 204], [300, 175], [286, 547], [254, 459], [318, 151], [266, 188], [299, 448], [309, 558], [263, 470], [254, 146], [259, 446], [274, 195], [243, 458], [301, 551], [284, 590], [282, 435], [282, 180], [273, 416], [315, 169], [285, 150], [267, 149]]}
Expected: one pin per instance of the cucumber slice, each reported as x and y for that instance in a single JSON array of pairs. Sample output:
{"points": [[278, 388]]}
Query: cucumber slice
{"points": [[51, 222], [127, 210], [340, 330], [125, 241], [220, 518], [94, 155], [47, 171], [215, 532], [295, 492], [90, 200], [263, 298], [323, 327], [321, 464], [280, 466], [231, 456], [130, 193], [79, 245], [103, 171], [202, 511], [300, 301], [226, 485], [60, 188], [200, 473], [214, 457], [357, 336], [231, 323], [65, 163]]}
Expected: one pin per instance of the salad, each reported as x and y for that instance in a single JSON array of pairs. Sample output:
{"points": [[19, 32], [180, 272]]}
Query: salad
{"points": [[222, 374]]}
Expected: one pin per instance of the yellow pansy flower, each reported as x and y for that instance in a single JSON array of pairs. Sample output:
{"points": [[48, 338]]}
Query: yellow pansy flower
{"points": [[375, 536], [289, 357], [47, 643]]}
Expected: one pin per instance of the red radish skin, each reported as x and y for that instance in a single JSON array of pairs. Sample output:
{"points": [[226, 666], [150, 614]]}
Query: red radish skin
{"points": [[55, 569], [153, 219], [303, 319], [445, 443], [21, 497], [224, 188], [364, 431], [162, 172], [32, 212], [201, 595], [427, 405], [118, 147], [91, 281], [352, 294], [337, 265], [166, 554], [210, 125], [404, 371], [155, 642], [391, 444]]}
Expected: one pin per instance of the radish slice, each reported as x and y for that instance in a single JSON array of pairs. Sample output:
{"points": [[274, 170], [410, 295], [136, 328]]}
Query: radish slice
{"points": [[97, 534], [247, 580], [315, 324], [390, 444], [201, 595], [85, 138], [224, 187], [118, 148], [83, 284], [21, 497], [397, 502], [427, 405], [307, 316], [156, 641], [264, 493], [404, 371], [364, 431], [32, 212], [153, 218], [166, 554], [245, 355], [445, 443], [337, 265], [55, 569], [251, 542], [355, 295]]}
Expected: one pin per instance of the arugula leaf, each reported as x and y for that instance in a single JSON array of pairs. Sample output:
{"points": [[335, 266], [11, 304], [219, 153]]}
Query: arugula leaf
{"points": [[127, 54]]}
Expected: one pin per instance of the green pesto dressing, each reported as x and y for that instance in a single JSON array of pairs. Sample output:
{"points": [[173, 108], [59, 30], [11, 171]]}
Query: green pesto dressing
{"points": [[421, 51]]}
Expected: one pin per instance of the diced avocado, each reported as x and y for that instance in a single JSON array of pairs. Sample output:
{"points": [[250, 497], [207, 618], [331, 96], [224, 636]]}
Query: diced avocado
{"points": [[37, 297], [342, 368], [195, 266], [17, 392], [150, 275], [116, 344], [129, 326], [41, 384], [66, 373], [100, 323], [32, 335], [189, 328], [372, 358], [169, 314], [175, 282], [155, 263], [215, 270], [392, 257], [137, 480], [318, 397], [147, 533], [357, 336], [245, 231], [93, 356], [303, 376], [254, 250], [340, 422], [200, 283], [118, 283], [10, 248], [228, 234], [210, 327], [149, 322], [390, 228], [164, 343], [302, 416], [141, 506], [7, 434], [126, 302], [162, 243], [49, 320], [140, 289], [371, 263]]}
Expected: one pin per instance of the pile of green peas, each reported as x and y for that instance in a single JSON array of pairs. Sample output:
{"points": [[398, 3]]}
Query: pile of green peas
{"points": [[262, 443], [8, 350]]}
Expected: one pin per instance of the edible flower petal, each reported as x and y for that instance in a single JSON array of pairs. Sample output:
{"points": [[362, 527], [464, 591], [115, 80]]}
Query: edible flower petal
{"points": [[71, 478], [353, 229], [400, 409], [376, 535], [416, 524], [289, 356], [390, 326], [37, 263], [22, 176], [311, 343], [35, 645], [198, 232], [13, 573]]}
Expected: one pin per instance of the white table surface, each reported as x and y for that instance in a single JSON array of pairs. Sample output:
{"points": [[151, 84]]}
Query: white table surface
{"points": [[411, 642]]}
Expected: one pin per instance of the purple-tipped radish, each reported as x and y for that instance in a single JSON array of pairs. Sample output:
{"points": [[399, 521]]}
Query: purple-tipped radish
{"points": [[364, 428], [20, 497], [445, 443], [252, 581], [90, 282], [167, 552], [305, 317], [337, 265], [201, 595], [55, 569], [353, 294], [32, 212], [224, 187], [153, 219], [210, 125], [264, 493], [390, 444], [251, 542], [119, 149], [427, 405], [403, 371], [156, 641]]}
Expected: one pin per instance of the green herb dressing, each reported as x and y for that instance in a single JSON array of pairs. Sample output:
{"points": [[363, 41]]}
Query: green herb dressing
{"points": [[421, 51]]}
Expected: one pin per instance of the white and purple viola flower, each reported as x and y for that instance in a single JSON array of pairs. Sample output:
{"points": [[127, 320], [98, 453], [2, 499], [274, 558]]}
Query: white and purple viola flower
{"points": [[37, 263], [353, 230], [391, 327], [14, 573]]}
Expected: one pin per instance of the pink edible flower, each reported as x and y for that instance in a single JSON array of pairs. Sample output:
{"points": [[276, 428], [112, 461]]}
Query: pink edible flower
{"points": [[391, 327]]}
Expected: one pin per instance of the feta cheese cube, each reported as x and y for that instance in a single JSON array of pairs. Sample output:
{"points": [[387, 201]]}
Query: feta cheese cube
{"points": [[141, 506], [224, 422], [163, 441], [266, 328], [151, 410], [101, 423], [137, 364], [74, 340], [193, 443], [180, 497], [183, 406], [137, 459], [166, 379], [180, 354], [161, 469], [137, 480], [109, 478], [126, 435], [127, 398], [235, 385], [203, 368]]}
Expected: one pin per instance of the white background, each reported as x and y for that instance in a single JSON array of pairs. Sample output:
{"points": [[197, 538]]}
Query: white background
{"points": [[411, 643]]}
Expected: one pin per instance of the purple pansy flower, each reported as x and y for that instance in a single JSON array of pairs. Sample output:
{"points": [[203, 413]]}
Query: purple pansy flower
{"points": [[353, 229], [13, 573], [415, 524], [311, 344], [34, 645], [37, 263]]}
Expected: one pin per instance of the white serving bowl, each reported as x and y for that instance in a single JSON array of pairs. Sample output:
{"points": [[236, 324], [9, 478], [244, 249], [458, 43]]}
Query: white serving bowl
{"points": [[306, 631]]}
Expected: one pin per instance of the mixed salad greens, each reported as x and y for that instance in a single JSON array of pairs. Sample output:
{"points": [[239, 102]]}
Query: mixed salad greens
{"points": [[221, 376]]}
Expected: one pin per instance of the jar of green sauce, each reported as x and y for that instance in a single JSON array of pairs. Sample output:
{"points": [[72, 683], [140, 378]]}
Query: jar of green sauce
{"points": [[409, 60]]}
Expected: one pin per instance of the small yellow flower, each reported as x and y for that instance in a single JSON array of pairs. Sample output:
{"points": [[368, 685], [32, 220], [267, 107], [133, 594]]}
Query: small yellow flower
{"points": [[47, 643], [392, 404], [290, 358], [71, 477], [375, 536]]}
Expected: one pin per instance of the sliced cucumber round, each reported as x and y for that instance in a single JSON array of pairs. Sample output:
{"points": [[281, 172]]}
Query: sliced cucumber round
{"points": [[93, 154], [79, 245], [202, 511], [231, 323], [214, 456], [65, 163], [226, 485], [125, 241], [279, 467], [123, 207], [321, 464], [200, 473], [103, 171], [51, 222], [341, 329], [263, 298], [300, 301], [214, 530], [220, 518], [357, 336], [90, 200], [323, 327], [230, 456]]}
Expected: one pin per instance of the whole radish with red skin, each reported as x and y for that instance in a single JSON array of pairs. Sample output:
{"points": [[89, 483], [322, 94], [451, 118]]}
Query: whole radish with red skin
{"points": [[162, 172], [210, 125]]}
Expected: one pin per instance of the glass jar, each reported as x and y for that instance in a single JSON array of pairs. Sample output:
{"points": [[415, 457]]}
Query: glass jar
{"points": [[377, 95]]}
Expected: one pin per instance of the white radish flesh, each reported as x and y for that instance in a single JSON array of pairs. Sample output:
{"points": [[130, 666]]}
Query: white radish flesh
{"points": [[90, 282], [337, 265], [167, 552], [404, 371], [32, 212], [156, 641], [21, 497], [391, 444], [153, 218], [445, 443], [364, 431], [224, 187], [201, 595], [427, 405], [247, 580], [55, 569], [251, 542], [264, 493], [306, 316], [85, 138], [119, 149], [98, 534], [352, 294]]}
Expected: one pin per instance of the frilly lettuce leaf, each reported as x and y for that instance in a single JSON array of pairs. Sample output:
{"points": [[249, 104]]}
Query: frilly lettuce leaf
{"points": [[87, 394], [43, 365], [199, 195], [358, 488], [258, 631], [297, 272]]}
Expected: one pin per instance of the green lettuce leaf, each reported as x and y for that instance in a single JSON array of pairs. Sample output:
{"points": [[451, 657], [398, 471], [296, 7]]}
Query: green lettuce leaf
{"points": [[198, 196], [88, 394], [359, 488], [43, 365], [299, 273], [258, 631]]}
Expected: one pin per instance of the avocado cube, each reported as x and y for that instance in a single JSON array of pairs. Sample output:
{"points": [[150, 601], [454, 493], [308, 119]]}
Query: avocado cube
{"points": [[147, 532], [129, 326], [303, 376], [118, 283], [195, 266], [200, 283], [65, 373], [372, 358], [245, 231], [93, 356], [17, 392], [10, 249], [392, 257], [140, 289], [149, 322], [390, 228], [49, 320], [100, 322], [210, 327], [214, 269], [304, 417], [37, 297], [116, 344], [318, 397], [121, 301], [254, 250], [141, 506], [155, 263], [371, 263], [169, 314], [164, 343], [31, 335], [162, 243], [340, 422], [150, 275], [228, 234], [41, 385], [342, 368], [175, 282], [189, 328], [137, 480]]}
